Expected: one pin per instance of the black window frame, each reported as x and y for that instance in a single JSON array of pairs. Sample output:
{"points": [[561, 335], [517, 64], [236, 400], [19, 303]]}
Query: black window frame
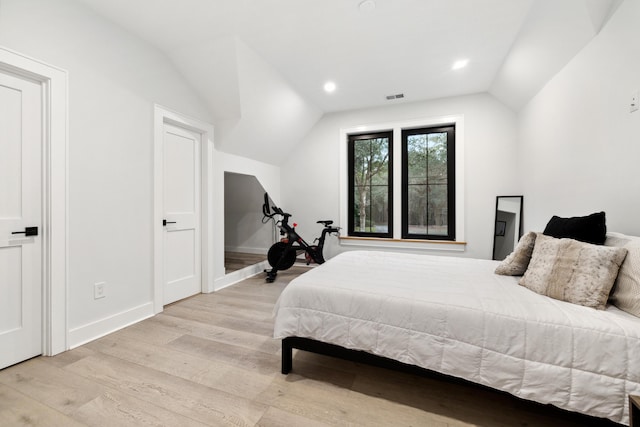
{"points": [[351, 138], [451, 183]]}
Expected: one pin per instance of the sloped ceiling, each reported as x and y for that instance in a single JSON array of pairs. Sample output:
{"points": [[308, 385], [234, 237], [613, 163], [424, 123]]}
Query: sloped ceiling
{"points": [[260, 65], [552, 34]]}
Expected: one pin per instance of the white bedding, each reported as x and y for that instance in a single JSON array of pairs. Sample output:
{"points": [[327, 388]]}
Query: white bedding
{"points": [[455, 316]]}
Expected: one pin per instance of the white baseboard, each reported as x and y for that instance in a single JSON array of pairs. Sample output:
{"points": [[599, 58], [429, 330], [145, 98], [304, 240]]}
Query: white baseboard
{"points": [[239, 275], [83, 334]]}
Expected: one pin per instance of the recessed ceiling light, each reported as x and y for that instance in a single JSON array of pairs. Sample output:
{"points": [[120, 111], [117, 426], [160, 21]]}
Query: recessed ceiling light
{"points": [[329, 87], [460, 64], [367, 5]]}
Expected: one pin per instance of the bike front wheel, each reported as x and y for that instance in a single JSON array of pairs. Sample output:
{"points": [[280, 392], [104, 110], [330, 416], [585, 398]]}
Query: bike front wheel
{"points": [[275, 254]]}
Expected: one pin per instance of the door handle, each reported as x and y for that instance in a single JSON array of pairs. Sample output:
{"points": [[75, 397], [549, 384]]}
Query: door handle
{"points": [[165, 222], [28, 231]]}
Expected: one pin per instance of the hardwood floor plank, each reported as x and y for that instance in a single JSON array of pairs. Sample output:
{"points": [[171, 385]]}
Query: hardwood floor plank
{"points": [[225, 300], [262, 326], [16, 409], [269, 298], [149, 333], [50, 385], [249, 340], [63, 359], [238, 260], [338, 406], [275, 417], [119, 409], [205, 371], [210, 304], [256, 361], [183, 397], [257, 285]]}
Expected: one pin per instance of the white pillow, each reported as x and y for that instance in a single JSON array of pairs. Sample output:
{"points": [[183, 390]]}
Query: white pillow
{"points": [[518, 260], [626, 290], [573, 271]]}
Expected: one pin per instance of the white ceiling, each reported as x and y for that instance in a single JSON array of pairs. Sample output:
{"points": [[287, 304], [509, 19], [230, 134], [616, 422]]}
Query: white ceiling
{"points": [[224, 48]]}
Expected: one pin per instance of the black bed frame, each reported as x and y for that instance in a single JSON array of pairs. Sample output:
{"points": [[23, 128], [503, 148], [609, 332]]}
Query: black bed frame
{"points": [[319, 347]]}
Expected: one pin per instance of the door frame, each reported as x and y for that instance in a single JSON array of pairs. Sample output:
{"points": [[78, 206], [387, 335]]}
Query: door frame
{"points": [[161, 116], [54, 83]]}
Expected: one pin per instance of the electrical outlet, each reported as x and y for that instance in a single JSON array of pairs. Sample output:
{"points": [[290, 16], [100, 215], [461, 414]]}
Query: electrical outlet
{"points": [[633, 106], [98, 290]]}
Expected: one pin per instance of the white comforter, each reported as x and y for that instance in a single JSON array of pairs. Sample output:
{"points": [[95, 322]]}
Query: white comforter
{"points": [[455, 316]]}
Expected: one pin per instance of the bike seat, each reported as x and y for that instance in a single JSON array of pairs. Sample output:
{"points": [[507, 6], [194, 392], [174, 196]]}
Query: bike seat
{"points": [[326, 223]]}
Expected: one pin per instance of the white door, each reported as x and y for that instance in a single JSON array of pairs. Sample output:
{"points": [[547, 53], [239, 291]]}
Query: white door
{"points": [[20, 207], [181, 182]]}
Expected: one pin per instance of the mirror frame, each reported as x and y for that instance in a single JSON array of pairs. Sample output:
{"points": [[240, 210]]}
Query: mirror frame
{"points": [[501, 232]]}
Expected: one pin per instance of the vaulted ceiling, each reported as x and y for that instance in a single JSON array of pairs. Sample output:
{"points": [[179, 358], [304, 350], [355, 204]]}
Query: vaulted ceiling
{"points": [[260, 65]]}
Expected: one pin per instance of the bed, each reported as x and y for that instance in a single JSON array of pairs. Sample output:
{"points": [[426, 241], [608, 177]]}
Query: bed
{"points": [[457, 317]]}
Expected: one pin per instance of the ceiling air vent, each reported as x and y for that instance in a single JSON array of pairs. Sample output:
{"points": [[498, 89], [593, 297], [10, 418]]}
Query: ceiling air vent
{"points": [[396, 96]]}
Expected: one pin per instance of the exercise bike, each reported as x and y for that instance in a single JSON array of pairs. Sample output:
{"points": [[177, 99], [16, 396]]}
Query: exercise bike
{"points": [[282, 255]]}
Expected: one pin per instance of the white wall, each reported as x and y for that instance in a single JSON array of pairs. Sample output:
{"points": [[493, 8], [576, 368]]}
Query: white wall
{"points": [[310, 175], [114, 80], [267, 175], [273, 116], [579, 146]]}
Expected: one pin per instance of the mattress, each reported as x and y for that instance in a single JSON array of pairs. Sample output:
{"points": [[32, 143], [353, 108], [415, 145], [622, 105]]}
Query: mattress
{"points": [[455, 316]]}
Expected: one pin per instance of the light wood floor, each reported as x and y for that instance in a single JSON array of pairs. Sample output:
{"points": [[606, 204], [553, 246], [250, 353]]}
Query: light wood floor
{"points": [[210, 360], [238, 260]]}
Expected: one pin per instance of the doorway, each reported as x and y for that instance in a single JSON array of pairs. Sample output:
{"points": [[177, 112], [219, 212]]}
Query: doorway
{"points": [[247, 238], [181, 213], [183, 161], [33, 217], [20, 218]]}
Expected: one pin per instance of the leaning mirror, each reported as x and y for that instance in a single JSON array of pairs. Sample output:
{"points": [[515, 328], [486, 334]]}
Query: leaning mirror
{"points": [[508, 225]]}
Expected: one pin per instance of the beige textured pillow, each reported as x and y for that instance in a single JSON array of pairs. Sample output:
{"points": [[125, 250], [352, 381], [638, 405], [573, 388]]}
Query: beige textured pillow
{"points": [[518, 260], [626, 290], [573, 271]]}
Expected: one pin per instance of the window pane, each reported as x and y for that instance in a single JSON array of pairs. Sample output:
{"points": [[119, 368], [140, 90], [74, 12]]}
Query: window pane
{"points": [[362, 205], [379, 210], [417, 204], [437, 210], [361, 162], [371, 179], [437, 158], [417, 159], [428, 194], [379, 161]]}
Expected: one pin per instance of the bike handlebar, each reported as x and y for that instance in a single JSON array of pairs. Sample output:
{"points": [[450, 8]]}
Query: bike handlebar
{"points": [[277, 211]]}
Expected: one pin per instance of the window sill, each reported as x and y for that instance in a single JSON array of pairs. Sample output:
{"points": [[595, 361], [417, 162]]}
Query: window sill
{"points": [[414, 244]]}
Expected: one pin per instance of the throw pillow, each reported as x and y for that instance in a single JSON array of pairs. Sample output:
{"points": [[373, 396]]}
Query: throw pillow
{"points": [[591, 228], [573, 271], [518, 261], [626, 289]]}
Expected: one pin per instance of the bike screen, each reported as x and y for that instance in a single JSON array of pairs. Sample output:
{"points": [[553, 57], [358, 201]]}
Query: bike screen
{"points": [[266, 211]]}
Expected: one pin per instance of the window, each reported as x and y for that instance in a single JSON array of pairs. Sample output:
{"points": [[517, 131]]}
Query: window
{"points": [[370, 184], [421, 186], [428, 183]]}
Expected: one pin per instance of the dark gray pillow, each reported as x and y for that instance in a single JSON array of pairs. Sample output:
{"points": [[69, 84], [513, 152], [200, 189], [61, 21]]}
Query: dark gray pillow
{"points": [[590, 229]]}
